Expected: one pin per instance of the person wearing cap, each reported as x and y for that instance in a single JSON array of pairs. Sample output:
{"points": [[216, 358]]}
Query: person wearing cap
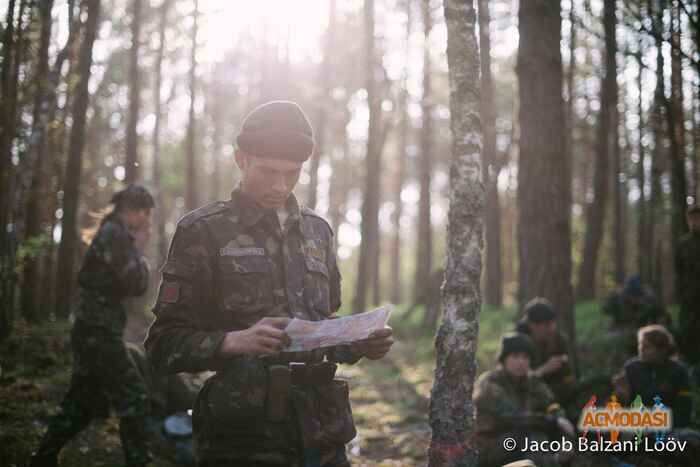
{"points": [[103, 375], [236, 273], [511, 403], [688, 279], [551, 360], [634, 306]]}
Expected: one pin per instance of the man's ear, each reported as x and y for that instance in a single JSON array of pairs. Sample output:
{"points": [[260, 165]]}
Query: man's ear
{"points": [[241, 159]]}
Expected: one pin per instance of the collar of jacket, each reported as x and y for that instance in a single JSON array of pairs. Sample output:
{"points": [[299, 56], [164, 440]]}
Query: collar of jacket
{"points": [[250, 213]]}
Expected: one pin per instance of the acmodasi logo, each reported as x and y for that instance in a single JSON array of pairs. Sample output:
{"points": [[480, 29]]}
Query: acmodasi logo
{"points": [[615, 418]]}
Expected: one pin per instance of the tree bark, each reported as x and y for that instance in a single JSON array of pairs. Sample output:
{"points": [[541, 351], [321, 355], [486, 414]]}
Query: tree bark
{"points": [[42, 103], [7, 131], [132, 158], [605, 152], [451, 409], [322, 106], [424, 246], [544, 180], [192, 188], [493, 294], [642, 228], [161, 245], [400, 175], [370, 203], [71, 190]]}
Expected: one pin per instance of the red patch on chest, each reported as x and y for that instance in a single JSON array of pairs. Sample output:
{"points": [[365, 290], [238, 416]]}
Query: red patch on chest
{"points": [[170, 292]]}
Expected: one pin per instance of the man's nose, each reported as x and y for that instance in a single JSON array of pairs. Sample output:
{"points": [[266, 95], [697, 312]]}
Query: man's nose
{"points": [[279, 184]]}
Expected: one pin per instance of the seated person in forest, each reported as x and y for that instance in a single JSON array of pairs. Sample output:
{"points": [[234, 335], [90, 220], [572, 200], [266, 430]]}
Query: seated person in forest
{"points": [[510, 403], [654, 373], [635, 305], [551, 357], [171, 397]]}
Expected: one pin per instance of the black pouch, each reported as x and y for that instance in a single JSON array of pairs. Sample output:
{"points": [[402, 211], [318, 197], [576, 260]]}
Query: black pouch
{"points": [[324, 415]]}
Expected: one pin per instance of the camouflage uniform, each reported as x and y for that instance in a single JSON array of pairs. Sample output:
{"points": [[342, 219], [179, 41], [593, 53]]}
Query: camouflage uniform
{"points": [[103, 375], [649, 310], [688, 270], [506, 408], [231, 264]]}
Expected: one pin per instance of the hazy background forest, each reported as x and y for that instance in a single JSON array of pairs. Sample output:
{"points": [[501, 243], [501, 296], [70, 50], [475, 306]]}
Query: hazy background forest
{"points": [[97, 94]]}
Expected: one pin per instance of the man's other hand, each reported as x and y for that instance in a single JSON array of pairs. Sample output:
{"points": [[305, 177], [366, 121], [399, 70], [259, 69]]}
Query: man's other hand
{"points": [[266, 337], [375, 346]]}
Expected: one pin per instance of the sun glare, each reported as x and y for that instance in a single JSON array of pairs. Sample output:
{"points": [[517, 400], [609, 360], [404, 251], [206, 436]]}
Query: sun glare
{"points": [[286, 22]]}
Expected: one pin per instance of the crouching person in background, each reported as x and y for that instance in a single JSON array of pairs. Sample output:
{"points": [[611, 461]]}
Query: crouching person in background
{"points": [[511, 403]]}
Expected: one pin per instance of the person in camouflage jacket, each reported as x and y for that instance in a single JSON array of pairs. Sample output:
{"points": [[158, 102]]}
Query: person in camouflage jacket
{"points": [[103, 375], [510, 403], [237, 272]]}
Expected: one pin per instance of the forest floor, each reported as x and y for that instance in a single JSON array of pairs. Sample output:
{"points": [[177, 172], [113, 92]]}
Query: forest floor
{"points": [[389, 396]]}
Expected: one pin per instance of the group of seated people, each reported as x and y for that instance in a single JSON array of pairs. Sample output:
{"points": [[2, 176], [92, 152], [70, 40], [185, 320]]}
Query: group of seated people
{"points": [[527, 397]]}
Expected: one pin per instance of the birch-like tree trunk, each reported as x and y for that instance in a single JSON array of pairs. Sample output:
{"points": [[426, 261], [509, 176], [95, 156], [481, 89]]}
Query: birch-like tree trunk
{"points": [[451, 409], [544, 180]]}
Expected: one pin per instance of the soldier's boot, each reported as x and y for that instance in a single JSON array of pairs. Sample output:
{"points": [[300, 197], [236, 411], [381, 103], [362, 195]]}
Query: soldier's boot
{"points": [[44, 460]]}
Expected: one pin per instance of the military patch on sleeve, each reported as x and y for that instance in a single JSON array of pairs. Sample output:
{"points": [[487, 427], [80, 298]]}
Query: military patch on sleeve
{"points": [[170, 292]]}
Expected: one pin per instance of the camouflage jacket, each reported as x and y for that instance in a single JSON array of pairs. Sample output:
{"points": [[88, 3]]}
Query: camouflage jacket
{"points": [[231, 264], [502, 404], [112, 270], [688, 270], [649, 310]]}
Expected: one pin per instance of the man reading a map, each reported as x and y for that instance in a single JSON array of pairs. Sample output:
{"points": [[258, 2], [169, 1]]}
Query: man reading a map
{"points": [[237, 272]]}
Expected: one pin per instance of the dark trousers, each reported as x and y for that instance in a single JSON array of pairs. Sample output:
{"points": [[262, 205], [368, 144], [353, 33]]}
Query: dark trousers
{"points": [[103, 377]]}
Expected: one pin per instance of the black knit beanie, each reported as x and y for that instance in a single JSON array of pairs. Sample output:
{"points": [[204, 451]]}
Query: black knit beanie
{"points": [[515, 342], [277, 130]]}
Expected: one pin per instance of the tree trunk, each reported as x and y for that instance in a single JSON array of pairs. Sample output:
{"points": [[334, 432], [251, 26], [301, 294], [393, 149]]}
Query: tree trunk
{"points": [[493, 294], [451, 409], [605, 151], [643, 260], [400, 174], [676, 126], [161, 244], [544, 180], [192, 188], [132, 158], [322, 104], [7, 124], [67, 248], [43, 101], [370, 203], [424, 246]]}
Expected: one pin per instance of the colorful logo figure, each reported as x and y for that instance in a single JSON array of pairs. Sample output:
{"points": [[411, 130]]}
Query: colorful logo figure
{"points": [[614, 418]]}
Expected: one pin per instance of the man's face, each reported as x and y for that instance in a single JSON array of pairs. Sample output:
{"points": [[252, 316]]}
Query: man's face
{"points": [[517, 364], [648, 352], [135, 220], [269, 182], [694, 222], [542, 331]]}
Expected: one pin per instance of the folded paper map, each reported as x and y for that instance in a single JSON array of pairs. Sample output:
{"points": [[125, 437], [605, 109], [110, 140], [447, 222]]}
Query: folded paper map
{"points": [[309, 335]]}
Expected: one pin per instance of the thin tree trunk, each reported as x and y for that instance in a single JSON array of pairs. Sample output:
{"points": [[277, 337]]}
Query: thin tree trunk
{"points": [[161, 245], [322, 104], [401, 156], [424, 247], [67, 248], [606, 141], [7, 132], [132, 158], [643, 260], [493, 295], [192, 188], [544, 172], [451, 409], [370, 203], [42, 103]]}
